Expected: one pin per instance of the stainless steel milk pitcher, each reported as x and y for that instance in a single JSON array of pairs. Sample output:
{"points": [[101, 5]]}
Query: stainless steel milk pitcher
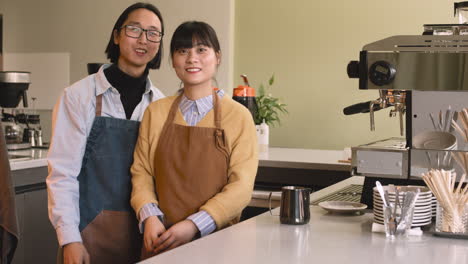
{"points": [[294, 205]]}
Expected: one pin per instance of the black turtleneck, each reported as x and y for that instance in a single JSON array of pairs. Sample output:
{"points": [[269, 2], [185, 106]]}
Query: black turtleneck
{"points": [[131, 89]]}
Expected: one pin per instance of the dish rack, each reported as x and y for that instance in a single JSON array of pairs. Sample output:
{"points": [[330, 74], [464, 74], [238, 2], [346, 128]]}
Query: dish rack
{"points": [[351, 193]]}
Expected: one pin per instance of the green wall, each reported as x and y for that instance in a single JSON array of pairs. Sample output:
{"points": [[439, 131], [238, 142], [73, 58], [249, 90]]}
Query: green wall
{"points": [[307, 44]]}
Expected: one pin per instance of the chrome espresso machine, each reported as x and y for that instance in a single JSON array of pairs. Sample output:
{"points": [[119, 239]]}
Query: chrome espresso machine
{"points": [[21, 129], [423, 80]]}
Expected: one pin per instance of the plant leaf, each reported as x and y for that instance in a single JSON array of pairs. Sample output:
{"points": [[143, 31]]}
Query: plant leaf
{"points": [[269, 107], [261, 90], [272, 79]]}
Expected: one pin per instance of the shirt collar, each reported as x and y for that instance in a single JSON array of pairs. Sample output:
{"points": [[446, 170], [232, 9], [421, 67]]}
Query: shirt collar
{"points": [[103, 84], [149, 87], [203, 105]]}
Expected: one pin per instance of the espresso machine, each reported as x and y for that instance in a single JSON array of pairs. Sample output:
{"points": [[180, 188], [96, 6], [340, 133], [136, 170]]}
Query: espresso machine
{"points": [[423, 81], [13, 89]]}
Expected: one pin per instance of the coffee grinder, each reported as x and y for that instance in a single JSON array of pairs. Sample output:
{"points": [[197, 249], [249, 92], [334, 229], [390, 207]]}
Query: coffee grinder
{"points": [[13, 89]]}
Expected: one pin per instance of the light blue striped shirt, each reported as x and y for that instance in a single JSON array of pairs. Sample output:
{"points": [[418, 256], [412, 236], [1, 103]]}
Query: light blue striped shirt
{"points": [[193, 112]]}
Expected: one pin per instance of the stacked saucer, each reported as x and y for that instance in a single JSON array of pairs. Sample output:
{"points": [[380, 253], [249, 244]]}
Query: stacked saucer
{"points": [[423, 211], [434, 206]]}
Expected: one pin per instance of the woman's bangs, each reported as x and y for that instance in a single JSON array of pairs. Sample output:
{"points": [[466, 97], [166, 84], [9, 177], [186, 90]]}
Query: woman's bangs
{"points": [[188, 38]]}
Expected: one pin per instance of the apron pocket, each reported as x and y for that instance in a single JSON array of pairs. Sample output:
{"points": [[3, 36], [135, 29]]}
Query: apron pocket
{"points": [[113, 237]]}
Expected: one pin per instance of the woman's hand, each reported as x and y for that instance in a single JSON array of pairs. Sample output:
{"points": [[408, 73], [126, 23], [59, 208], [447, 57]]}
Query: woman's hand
{"points": [[153, 229], [179, 234], [75, 253]]}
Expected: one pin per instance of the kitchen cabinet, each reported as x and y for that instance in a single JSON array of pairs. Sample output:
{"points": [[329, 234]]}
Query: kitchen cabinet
{"points": [[313, 168], [38, 242]]}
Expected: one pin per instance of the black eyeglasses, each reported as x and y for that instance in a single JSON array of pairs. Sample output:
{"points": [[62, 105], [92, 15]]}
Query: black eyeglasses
{"points": [[152, 35]]}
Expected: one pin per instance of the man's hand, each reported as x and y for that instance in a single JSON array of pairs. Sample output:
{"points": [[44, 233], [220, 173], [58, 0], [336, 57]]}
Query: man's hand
{"points": [[75, 253], [179, 234], [153, 229]]}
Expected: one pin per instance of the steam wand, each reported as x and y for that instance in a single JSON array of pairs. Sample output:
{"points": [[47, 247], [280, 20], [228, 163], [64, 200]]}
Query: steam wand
{"points": [[387, 98]]}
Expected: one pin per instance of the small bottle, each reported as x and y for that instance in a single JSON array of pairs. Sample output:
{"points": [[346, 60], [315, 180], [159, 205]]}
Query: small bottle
{"points": [[245, 95], [263, 134], [32, 137], [38, 137]]}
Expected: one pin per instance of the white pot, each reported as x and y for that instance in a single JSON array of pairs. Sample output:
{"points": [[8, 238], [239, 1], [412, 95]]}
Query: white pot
{"points": [[263, 137]]}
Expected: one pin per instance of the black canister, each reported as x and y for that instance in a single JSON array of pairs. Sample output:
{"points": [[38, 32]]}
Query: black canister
{"points": [[245, 95]]}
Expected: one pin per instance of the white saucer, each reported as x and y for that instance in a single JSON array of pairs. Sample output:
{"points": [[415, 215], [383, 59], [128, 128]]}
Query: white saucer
{"points": [[417, 211], [342, 206], [416, 205], [423, 190], [422, 202], [427, 198]]}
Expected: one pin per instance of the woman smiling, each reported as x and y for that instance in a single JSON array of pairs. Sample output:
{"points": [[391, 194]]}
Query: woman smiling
{"points": [[196, 157]]}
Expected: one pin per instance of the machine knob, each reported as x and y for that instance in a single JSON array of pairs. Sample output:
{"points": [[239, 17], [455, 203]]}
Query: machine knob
{"points": [[381, 73], [353, 69]]}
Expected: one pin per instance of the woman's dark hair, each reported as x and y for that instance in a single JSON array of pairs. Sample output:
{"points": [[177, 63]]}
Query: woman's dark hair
{"points": [[191, 32], [113, 50]]}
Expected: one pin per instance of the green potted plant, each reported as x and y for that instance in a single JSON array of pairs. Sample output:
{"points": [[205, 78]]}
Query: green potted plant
{"points": [[269, 107], [268, 114]]}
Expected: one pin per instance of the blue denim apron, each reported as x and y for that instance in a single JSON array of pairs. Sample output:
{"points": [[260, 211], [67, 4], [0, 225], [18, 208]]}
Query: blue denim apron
{"points": [[108, 224]]}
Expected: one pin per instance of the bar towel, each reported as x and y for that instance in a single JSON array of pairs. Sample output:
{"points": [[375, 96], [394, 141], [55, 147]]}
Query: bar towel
{"points": [[9, 233]]}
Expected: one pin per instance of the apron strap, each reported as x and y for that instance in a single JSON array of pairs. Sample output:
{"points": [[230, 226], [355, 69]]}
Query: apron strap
{"points": [[217, 110], [172, 113], [219, 134], [98, 105]]}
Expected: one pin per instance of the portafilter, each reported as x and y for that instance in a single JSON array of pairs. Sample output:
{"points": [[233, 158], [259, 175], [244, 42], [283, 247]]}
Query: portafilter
{"points": [[13, 86]]}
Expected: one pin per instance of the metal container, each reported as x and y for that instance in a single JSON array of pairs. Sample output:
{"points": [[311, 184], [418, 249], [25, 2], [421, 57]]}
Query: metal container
{"points": [[294, 205], [460, 10], [13, 132], [13, 86]]}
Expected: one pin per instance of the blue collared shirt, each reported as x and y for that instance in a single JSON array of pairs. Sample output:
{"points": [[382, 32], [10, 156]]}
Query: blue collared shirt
{"points": [[73, 117], [193, 112]]}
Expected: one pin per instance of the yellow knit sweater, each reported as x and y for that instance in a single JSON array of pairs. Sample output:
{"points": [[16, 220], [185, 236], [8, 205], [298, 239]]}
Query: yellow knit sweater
{"points": [[239, 128]]}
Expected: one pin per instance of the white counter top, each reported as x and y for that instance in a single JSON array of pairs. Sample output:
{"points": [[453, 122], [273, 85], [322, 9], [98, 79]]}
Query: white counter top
{"points": [[36, 158], [304, 159], [328, 238], [275, 157]]}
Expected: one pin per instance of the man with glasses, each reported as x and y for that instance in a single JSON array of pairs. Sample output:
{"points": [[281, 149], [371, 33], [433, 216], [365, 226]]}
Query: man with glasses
{"points": [[95, 127], [152, 35]]}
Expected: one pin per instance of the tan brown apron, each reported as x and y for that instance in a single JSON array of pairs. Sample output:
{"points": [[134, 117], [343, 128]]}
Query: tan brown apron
{"points": [[191, 165]]}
